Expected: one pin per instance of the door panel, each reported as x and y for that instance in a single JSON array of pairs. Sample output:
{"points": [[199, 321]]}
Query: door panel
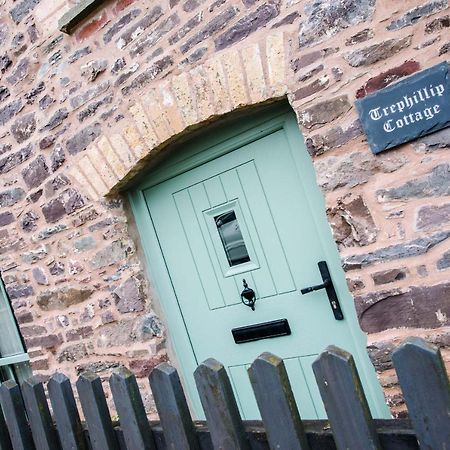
{"points": [[252, 213]]}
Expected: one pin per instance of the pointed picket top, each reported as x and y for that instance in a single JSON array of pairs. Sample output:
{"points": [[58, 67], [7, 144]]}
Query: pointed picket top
{"points": [[219, 404], [276, 403], [176, 420], [426, 388], [345, 402], [130, 408], [65, 413], [5, 441]]}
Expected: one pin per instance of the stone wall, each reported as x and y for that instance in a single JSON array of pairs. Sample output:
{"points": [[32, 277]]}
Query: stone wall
{"points": [[80, 115]]}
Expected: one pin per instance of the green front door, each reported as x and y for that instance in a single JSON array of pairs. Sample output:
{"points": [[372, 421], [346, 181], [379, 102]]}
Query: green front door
{"points": [[243, 204]]}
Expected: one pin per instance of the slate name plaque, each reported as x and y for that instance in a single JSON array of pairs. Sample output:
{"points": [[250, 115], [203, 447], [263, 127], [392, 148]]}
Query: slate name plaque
{"points": [[411, 108]]}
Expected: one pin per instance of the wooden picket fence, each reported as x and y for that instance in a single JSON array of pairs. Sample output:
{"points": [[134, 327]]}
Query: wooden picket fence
{"points": [[26, 422]]}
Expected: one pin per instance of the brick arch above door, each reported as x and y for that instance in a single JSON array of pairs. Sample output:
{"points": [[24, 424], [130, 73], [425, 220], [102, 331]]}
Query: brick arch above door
{"points": [[229, 81]]}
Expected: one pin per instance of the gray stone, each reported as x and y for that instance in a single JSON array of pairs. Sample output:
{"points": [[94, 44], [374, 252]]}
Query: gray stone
{"points": [[36, 172], [389, 275], [66, 203], [4, 93], [13, 160], [85, 243], [30, 96], [47, 142], [248, 24], [217, 23], [33, 33], [77, 54], [33, 256], [416, 247], [324, 112], [434, 141], [72, 353], [444, 49], [120, 24], [6, 218], [443, 262], [151, 325], [40, 276], [92, 108], [437, 24], [93, 69], [195, 56], [433, 216], [112, 254], [57, 158], [49, 341], [81, 99], [360, 36], [53, 210], [4, 33], [354, 169], [377, 52], [418, 13], [351, 222], [154, 36], [22, 9], [57, 268], [5, 63], [56, 184], [62, 298], [49, 232], [45, 102], [118, 333], [436, 184], [118, 65], [129, 296], [416, 307], [18, 43], [380, 354], [326, 18], [186, 28], [148, 75], [9, 111], [11, 196], [23, 127], [29, 220], [139, 27], [20, 73], [19, 291], [83, 138], [334, 138], [56, 120]]}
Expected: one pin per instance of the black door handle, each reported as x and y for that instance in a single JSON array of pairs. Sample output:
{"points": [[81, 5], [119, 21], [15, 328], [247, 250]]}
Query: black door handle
{"points": [[328, 286]]}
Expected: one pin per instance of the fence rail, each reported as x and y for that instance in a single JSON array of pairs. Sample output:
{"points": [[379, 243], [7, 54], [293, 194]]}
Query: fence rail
{"points": [[27, 424]]}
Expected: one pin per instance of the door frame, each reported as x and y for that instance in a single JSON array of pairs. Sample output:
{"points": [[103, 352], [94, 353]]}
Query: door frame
{"points": [[212, 145]]}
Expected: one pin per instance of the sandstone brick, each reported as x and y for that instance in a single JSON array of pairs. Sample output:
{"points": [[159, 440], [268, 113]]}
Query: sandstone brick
{"points": [[181, 88], [83, 182], [91, 173], [111, 156], [135, 142], [237, 88], [102, 167], [143, 124], [202, 93], [252, 63], [170, 109], [276, 63], [216, 75], [152, 104]]}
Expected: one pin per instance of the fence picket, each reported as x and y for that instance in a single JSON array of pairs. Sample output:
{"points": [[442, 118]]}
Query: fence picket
{"points": [[41, 424], [68, 424], [98, 419], [15, 418], [131, 411], [426, 389], [345, 402], [221, 411], [276, 403], [5, 441], [176, 421]]}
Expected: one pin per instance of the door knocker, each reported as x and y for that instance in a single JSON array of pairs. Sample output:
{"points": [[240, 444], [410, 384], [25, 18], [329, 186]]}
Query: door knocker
{"points": [[248, 297]]}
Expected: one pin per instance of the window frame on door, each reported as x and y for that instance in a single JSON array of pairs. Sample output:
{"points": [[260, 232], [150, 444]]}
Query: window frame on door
{"points": [[14, 366]]}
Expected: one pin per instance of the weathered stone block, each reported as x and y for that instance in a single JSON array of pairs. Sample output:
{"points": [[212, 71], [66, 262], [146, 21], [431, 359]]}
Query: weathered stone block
{"points": [[40, 277], [62, 298], [142, 367], [377, 52], [248, 24], [20, 72], [85, 243], [36, 172], [386, 78], [360, 36], [416, 247], [19, 291], [433, 216], [417, 307], [4, 93], [57, 119], [443, 262], [49, 341], [9, 111], [115, 252], [129, 296], [351, 222], [22, 9], [83, 138], [437, 24], [6, 218], [324, 112], [13, 160], [93, 69], [72, 353], [120, 24], [436, 184], [326, 18], [418, 13], [389, 276]]}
